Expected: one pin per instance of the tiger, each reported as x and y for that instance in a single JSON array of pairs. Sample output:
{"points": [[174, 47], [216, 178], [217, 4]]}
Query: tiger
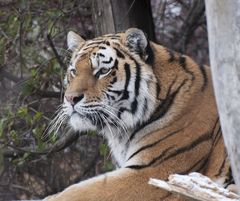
{"points": [[155, 107]]}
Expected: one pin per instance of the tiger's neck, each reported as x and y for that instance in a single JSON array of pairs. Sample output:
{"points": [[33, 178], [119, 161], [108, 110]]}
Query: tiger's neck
{"points": [[185, 95]]}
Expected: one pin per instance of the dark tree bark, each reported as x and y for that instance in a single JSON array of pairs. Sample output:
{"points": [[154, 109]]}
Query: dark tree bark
{"points": [[112, 16]]}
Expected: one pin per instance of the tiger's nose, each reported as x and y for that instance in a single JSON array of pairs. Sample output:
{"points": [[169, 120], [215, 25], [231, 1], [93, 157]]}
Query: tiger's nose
{"points": [[74, 99]]}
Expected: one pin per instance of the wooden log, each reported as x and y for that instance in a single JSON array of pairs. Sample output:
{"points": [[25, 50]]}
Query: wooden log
{"points": [[195, 187], [112, 16], [224, 42]]}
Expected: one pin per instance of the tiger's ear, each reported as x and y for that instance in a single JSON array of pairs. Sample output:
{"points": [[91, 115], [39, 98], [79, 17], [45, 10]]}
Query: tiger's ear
{"points": [[136, 40], [74, 40]]}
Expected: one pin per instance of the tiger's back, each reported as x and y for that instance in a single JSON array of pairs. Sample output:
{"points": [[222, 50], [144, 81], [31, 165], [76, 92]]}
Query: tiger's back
{"points": [[155, 107]]}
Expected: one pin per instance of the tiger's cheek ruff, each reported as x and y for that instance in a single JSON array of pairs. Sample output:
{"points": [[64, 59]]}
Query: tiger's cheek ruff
{"points": [[132, 93]]}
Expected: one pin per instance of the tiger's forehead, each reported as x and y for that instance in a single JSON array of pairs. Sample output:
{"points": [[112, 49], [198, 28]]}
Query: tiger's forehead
{"points": [[96, 44]]}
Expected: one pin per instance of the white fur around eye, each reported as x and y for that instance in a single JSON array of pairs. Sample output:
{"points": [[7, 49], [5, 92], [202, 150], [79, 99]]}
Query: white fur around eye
{"points": [[94, 60], [103, 58]]}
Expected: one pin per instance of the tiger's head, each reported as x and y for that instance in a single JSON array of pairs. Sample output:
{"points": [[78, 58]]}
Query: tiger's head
{"points": [[109, 82]]}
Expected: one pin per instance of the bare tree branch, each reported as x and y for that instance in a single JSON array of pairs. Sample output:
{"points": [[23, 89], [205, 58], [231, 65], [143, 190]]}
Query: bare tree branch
{"points": [[48, 94], [58, 57], [62, 143], [190, 24]]}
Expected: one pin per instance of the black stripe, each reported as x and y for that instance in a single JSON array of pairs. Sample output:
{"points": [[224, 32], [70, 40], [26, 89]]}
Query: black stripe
{"points": [[113, 73], [113, 80], [222, 166], [102, 48], [138, 79], [92, 106], [162, 158], [115, 64], [134, 106], [182, 63], [110, 97], [97, 75], [101, 55], [171, 55], [204, 75], [109, 61], [150, 54], [151, 162], [158, 89], [154, 143], [119, 53], [118, 92], [230, 179], [216, 131], [106, 42], [218, 137], [145, 106], [128, 76], [166, 103], [196, 167], [161, 110], [201, 139]]}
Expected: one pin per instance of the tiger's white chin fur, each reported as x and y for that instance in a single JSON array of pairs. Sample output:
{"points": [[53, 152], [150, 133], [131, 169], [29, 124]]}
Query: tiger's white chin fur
{"points": [[80, 124]]}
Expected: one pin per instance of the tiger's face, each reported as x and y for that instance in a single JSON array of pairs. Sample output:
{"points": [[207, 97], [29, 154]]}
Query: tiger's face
{"points": [[109, 82]]}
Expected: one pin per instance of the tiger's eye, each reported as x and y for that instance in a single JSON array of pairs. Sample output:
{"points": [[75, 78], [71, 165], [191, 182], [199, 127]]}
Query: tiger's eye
{"points": [[73, 72], [104, 70]]}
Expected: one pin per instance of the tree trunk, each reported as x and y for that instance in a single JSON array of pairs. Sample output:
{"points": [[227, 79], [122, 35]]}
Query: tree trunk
{"points": [[224, 41], [111, 16]]}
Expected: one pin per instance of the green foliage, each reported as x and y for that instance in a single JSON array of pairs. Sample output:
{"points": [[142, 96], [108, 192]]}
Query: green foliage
{"points": [[24, 114], [2, 126], [31, 84], [105, 153], [2, 50], [104, 150], [21, 161], [38, 116], [108, 166], [37, 133]]}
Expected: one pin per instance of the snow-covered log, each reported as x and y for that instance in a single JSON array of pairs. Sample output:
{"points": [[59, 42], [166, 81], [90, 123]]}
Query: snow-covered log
{"points": [[196, 187]]}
